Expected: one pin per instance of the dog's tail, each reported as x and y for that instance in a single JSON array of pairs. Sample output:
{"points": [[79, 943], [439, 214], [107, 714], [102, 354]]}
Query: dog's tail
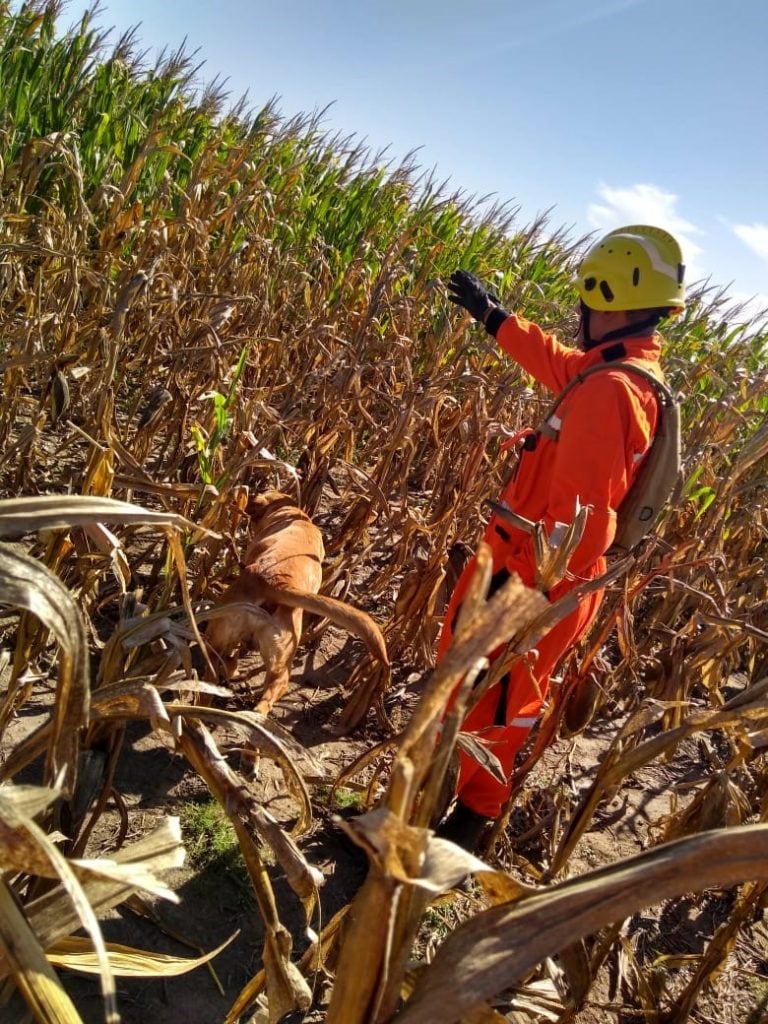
{"points": [[344, 615]]}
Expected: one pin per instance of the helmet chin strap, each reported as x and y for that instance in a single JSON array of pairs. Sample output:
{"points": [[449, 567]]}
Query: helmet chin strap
{"points": [[639, 329], [586, 337]]}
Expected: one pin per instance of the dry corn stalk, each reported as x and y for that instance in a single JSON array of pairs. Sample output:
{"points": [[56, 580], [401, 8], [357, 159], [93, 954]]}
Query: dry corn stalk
{"points": [[325, 271]]}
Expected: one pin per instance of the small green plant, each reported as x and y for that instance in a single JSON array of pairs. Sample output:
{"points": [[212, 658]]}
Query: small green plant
{"points": [[436, 923], [209, 837], [207, 444], [342, 799], [348, 800]]}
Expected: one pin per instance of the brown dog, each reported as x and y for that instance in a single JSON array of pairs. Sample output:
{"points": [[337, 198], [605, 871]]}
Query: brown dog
{"points": [[282, 573]]}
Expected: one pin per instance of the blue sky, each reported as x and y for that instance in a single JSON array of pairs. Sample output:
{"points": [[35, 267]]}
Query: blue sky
{"points": [[607, 112]]}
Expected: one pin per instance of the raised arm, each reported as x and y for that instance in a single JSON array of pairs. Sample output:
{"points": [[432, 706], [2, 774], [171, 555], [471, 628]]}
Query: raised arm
{"points": [[539, 353]]}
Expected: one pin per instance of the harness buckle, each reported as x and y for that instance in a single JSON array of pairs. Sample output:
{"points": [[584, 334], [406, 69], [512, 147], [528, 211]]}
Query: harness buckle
{"points": [[505, 512]]}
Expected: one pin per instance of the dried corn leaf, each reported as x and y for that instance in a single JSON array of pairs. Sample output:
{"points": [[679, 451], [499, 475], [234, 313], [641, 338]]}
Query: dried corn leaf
{"points": [[54, 511], [538, 1000], [314, 957], [493, 950], [44, 858], [179, 560], [76, 954], [125, 300], [19, 801], [393, 848], [99, 473], [575, 964], [27, 584], [175, 489], [361, 762], [133, 875], [287, 989], [53, 917], [108, 544], [24, 959], [59, 396], [137, 632], [371, 962], [718, 803], [131, 699], [488, 625], [479, 751], [500, 887]]}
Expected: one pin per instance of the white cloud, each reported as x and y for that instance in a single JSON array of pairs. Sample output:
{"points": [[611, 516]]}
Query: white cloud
{"points": [[755, 236], [647, 204]]}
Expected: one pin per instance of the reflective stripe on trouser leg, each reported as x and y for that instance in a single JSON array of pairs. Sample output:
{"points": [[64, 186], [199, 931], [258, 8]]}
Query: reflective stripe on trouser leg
{"points": [[478, 789], [527, 689]]}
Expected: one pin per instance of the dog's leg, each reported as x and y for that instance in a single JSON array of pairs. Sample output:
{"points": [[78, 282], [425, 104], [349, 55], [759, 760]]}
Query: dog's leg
{"points": [[223, 650], [235, 630], [276, 686], [278, 647]]}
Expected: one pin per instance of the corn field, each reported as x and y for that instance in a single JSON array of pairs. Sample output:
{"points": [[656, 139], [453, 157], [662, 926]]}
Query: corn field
{"points": [[199, 302]]}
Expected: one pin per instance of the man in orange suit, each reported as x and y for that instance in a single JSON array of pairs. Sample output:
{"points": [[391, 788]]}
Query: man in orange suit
{"points": [[628, 282]]}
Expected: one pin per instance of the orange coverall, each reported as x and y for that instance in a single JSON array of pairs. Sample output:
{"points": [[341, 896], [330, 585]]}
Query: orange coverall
{"points": [[607, 424]]}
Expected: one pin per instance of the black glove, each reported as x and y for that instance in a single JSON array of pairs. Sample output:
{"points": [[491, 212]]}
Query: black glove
{"points": [[467, 291]]}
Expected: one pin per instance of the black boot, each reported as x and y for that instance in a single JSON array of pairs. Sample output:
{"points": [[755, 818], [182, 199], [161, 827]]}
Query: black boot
{"points": [[464, 827]]}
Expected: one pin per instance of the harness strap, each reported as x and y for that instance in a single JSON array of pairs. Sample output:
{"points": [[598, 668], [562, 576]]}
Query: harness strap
{"points": [[551, 424]]}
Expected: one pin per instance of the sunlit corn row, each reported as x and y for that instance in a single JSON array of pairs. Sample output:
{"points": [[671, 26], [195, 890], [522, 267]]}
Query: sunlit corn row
{"points": [[195, 302], [181, 331]]}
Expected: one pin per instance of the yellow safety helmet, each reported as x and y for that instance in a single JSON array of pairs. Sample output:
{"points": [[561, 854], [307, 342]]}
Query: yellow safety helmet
{"points": [[637, 267]]}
